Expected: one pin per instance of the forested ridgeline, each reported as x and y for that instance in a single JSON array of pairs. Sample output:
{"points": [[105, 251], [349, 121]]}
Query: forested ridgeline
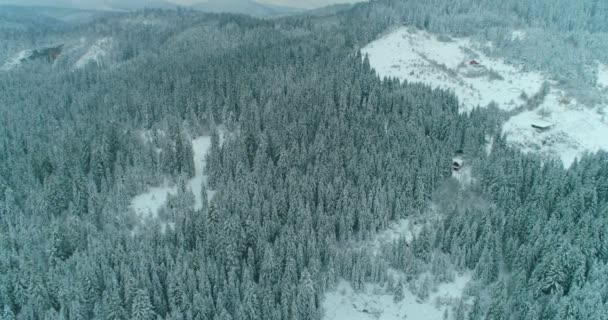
{"points": [[321, 153]]}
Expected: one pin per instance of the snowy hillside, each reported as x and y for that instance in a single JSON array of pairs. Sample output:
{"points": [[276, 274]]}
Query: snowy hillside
{"points": [[602, 76], [16, 60], [454, 64], [95, 53], [573, 129], [570, 128], [147, 205], [373, 302]]}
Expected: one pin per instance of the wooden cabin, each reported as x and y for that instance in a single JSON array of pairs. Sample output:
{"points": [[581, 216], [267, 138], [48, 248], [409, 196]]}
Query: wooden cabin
{"points": [[542, 126]]}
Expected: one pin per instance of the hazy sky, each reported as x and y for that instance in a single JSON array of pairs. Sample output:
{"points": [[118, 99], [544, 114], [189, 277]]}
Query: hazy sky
{"points": [[289, 3], [306, 3], [88, 3]]}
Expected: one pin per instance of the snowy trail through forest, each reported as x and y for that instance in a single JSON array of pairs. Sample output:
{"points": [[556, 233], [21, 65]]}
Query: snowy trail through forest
{"points": [[147, 205]]}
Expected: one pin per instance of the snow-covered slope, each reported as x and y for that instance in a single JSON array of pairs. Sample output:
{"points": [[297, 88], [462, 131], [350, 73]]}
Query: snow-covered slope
{"points": [[574, 129], [374, 302], [147, 204], [95, 53], [451, 63], [459, 65], [602, 76], [16, 60]]}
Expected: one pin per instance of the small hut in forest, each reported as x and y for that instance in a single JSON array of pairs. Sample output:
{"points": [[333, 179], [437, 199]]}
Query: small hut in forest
{"points": [[542, 126], [458, 160]]}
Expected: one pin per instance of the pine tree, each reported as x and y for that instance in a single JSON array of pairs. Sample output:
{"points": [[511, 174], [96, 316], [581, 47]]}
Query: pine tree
{"points": [[8, 314], [306, 300], [142, 308]]}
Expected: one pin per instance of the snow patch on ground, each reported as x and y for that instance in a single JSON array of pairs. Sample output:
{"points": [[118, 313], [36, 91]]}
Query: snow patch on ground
{"points": [[518, 35], [454, 64], [96, 53], [149, 137], [16, 60], [464, 176], [575, 129], [200, 147], [374, 302], [602, 76], [489, 145], [147, 205], [458, 64], [407, 228]]}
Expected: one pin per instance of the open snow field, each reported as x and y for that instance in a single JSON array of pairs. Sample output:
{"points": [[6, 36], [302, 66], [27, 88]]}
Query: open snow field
{"points": [[377, 302], [602, 76], [418, 56], [575, 129], [147, 205], [456, 64], [95, 54], [373, 303]]}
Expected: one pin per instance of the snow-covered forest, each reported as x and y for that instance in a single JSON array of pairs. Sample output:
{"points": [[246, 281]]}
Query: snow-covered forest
{"points": [[273, 159]]}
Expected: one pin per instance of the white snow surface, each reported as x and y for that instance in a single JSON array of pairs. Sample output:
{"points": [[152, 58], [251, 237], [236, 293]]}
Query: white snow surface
{"points": [[147, 205], [602, 76], [576, 129], [95, 54], [418, 56], [464, 176], [373, 302], [200, 147], [15, 61], [408, 228], [518, 35], [376, 302]]}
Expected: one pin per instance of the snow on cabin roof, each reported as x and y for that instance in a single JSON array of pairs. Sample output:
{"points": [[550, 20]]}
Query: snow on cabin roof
{"points": [[540, 124]]}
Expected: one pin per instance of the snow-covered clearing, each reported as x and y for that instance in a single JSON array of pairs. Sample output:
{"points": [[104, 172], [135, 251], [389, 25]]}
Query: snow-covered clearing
{"points": [[518, 35], [374, 302], [574, 129], [454, 64], [464, 176], [149, 137], [147, 205], [95, 54], [200, 147], [489, 145], [16, 60], [408, 228], [459, 65]]}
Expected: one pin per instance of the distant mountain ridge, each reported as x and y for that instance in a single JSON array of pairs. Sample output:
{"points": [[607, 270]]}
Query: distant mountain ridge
{"points": [[250, 7]]}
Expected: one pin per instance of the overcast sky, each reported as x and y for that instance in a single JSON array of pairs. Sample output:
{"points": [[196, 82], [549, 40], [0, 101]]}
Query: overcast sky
{"points": [[308, 4], [289, 3]]}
